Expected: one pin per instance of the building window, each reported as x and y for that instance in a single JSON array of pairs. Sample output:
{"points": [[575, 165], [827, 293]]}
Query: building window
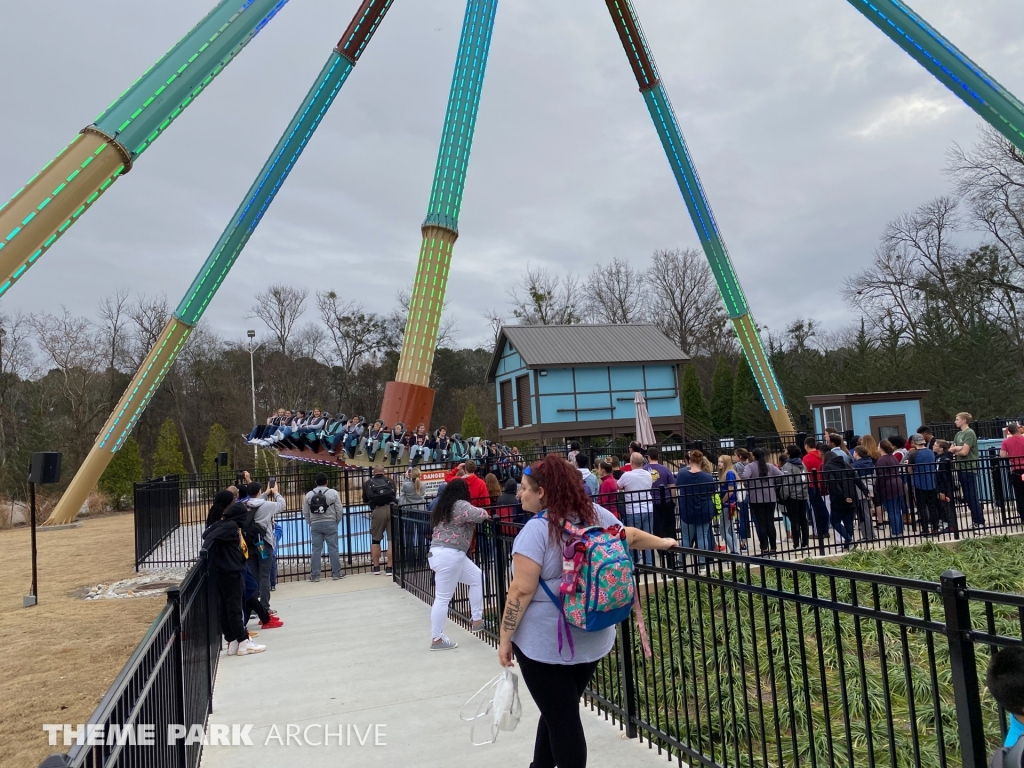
{"points": [[523, 401], [506, 405], [833, 418]]}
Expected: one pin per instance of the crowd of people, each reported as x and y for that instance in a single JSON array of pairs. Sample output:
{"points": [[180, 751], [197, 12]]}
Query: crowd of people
{"points": [[353, 437]]}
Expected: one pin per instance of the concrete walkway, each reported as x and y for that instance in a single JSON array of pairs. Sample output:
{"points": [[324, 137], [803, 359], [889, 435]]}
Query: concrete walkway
{"points": [[355, 652]]}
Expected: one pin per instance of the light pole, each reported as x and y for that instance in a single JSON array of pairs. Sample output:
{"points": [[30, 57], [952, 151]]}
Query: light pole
{"points": [[252, 377]]}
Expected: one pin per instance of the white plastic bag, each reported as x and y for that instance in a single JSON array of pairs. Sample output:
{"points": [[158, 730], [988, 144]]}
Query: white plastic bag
{"points": [[499, 699]]}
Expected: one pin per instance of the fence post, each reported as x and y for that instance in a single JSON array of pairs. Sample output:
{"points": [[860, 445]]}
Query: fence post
{"points": [[178, 663], [964, 669], [212, 623], [626, 668]]}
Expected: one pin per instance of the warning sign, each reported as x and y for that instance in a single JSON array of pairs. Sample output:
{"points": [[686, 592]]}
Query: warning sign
{"points": [[431, 479]]}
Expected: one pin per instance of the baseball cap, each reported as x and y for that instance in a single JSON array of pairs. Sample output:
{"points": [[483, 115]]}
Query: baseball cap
{"points": [[918, 439]]}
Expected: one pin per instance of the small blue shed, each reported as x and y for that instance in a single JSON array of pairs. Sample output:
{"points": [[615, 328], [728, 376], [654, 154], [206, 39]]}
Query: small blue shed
{"points": [[881, 414], [557, 381]]}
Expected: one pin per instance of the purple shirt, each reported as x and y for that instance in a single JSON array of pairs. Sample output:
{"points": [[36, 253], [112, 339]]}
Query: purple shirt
{"points": [[661, 475]]}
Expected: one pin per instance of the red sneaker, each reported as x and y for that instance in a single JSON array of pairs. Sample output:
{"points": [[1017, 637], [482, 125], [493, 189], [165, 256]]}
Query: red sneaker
{"points": [[274, 623]]}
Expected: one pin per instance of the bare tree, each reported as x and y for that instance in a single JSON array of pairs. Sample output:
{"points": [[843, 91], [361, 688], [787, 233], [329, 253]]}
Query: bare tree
{"points": [[495, 320], [685, 303], [617, 293], [542, 298], [148, 318], [280, 307], [311, 341], [447, 332], [355, 334], [75, 352], [114, 326]]}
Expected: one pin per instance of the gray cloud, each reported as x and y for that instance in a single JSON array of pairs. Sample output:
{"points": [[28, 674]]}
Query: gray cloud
{"points": [[810, 130]]}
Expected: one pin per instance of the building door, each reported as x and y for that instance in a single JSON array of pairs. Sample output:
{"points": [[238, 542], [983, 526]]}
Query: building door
{"points": [[884, 427], [507, 419], [523, 401]]}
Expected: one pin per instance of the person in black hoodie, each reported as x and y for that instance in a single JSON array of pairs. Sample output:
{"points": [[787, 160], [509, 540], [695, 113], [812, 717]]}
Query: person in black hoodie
{"points": [[225, 547], [843, 484]]}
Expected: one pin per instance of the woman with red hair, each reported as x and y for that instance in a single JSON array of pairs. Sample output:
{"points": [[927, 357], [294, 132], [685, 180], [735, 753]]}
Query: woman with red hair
{"points": [[530, 628]]}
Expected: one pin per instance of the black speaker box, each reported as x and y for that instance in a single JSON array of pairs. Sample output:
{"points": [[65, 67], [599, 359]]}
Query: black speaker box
{"points": [[45, 468]]}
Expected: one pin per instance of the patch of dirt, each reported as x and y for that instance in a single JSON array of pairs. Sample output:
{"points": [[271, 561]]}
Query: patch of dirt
{"points": [[59, 657]]}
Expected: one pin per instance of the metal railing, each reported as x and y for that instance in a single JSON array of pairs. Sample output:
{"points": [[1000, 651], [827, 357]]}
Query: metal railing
{"points": [[761, 662], [167, 681]]}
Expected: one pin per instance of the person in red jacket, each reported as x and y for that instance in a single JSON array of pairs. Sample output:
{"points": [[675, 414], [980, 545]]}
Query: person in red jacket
{"points": [[479, 496], [816, 487]]}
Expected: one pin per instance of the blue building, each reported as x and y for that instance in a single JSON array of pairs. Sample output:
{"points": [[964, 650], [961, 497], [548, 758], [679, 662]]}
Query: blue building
{"points": [[559, 381], [881, 414]]}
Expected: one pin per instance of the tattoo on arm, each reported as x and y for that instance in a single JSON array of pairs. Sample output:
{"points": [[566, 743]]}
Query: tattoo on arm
{"points": [[513, 609]]}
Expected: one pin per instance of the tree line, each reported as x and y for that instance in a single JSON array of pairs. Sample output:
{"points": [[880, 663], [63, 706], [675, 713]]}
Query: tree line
{"points": [[933, 313]]}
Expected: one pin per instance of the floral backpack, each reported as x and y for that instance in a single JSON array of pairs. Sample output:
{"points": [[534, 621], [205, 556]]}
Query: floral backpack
{"points": [[597, 589]]}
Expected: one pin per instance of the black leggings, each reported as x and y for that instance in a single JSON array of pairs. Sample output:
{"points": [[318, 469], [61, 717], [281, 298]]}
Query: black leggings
{"points": [[229, 588], [796, 511], [556, 689], [764, 522]]}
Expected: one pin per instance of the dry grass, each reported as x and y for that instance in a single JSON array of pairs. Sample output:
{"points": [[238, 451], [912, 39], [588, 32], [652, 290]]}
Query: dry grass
{"points": [[59, 657]]}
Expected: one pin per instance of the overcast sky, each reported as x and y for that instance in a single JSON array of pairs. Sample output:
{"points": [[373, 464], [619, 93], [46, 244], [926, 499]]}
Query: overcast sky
{"points": [[810, 130]]}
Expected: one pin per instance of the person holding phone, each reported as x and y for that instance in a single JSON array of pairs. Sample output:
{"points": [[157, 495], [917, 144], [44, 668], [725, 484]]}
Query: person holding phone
{"points": [[259, 529]]}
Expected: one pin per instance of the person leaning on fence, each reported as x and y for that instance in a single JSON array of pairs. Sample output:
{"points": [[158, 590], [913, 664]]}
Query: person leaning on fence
{"points": [[944, 483], [226, 551], [529, 627], [454, 522], [608, 490], [323, 512], [662, 481], [1005, 680], [728, 493], [379, 495], [792, 492], [865, 467], [889, 487], [921, 462], [740, 458]]}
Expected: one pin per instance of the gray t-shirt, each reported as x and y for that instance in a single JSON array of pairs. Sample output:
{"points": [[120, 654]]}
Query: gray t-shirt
{"points": [[537, 634]]}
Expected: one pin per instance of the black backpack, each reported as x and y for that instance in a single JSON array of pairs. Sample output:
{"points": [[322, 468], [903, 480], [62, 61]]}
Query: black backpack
{"points": [[379, 491], [318, 503]]}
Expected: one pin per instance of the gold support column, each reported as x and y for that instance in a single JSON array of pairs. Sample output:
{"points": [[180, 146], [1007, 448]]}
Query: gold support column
{"points": [[746, 332], [43, 209]]}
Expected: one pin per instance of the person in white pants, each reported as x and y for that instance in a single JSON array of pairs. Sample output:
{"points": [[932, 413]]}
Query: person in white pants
{"points": [[454, 520]]}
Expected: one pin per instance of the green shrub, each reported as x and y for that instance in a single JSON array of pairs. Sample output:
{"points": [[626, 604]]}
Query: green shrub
{"points": [[168, 459], [123, 471]]}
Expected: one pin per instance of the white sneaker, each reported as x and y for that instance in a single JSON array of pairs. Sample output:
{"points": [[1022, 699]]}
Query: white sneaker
{"points": [[233, 648], [248, 646]]}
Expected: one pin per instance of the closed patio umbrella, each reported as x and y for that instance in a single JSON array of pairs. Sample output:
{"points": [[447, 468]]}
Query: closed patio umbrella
{"points": [[644, 428]]}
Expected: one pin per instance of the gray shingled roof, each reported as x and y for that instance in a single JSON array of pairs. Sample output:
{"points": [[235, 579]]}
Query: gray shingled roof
{"points": [[559, 346]]}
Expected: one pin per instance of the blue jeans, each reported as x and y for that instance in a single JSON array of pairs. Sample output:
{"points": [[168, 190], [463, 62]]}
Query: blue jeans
{"points": [[895, 509], [701, 532], [732, 541], [645, 522], [842, 520], [969, 486]]}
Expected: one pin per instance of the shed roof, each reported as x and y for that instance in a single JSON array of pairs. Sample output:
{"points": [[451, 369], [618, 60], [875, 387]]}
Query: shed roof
{"points": [[867, 397], [562, 346]]}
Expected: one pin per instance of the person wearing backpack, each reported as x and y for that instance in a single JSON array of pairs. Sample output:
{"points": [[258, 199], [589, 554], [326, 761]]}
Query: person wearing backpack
{"points": [[1005, 681], [259, 531], [379, 495], [556, 673], [323, 511]]}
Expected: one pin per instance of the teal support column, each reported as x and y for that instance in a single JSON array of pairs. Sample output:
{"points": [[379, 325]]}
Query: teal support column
{"points": [[409, 399], [978, 90], [55, 198], [224, 254], [644, 69]]}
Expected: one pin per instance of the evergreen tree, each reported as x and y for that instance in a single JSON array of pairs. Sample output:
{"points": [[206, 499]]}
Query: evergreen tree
{"points": [[694, 405], [123, 471], [168, 459], [749, 415], [215, 443], [471, 424], [722, 383]]}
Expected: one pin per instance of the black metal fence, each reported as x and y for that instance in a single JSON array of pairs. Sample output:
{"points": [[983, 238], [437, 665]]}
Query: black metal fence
{"points": [[167, 682], [758, 662]]}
